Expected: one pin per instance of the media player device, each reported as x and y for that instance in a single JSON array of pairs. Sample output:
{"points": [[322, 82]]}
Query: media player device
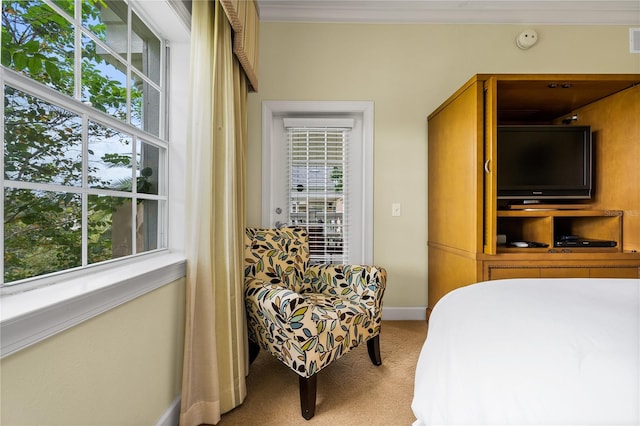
{"points": [[584, 242]]}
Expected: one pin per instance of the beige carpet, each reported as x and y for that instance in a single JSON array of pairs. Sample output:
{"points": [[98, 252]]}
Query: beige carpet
{"points": [[351, 391]]}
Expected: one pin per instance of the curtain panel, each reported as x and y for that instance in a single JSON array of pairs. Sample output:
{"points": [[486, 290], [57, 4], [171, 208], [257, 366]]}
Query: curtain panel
{"points": [[215, 353]]}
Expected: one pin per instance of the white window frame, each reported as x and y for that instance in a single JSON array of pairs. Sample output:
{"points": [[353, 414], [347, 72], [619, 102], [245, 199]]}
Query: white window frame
{"points": [[86, 114], [30, 316], [271, 110]]}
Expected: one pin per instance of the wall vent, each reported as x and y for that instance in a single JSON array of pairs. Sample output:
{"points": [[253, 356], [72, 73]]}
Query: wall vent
{"points": [[634, 40]]}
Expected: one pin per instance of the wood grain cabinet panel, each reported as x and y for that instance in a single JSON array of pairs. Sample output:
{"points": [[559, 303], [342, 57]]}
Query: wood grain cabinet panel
{"points": [[615, 272], [513, 272]]}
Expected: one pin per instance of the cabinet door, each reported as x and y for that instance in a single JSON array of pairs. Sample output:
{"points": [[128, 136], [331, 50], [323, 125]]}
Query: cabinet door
{"points": [[561, 272], [490, 167], [512, 272], [455, 179], [615, 272]]}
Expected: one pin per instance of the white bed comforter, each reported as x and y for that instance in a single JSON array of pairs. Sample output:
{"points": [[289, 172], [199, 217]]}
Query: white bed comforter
{"points": [[532, 352]]}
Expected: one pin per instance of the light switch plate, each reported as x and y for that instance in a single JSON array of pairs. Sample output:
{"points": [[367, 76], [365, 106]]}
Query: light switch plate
{"points": [[634, 40], [395, 209]]}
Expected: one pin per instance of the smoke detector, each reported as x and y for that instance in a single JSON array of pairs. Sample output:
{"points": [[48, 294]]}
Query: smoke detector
{"points": [[526, 39]]}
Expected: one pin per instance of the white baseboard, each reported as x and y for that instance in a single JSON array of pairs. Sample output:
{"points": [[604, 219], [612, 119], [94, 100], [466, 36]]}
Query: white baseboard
{"points": [[416, 313], [171, 417]]}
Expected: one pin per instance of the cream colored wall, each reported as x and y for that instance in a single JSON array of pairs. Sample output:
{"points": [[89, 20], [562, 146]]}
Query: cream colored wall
{"points": [[122, 367], [408, 70]]}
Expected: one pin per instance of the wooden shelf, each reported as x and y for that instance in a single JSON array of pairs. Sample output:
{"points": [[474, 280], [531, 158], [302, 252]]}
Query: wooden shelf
{"points": [[533, 212], [547, 226]]}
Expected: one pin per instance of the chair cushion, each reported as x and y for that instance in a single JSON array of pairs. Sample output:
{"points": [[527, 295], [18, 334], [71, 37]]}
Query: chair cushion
{"points": [[338, 321], [319, 329]]}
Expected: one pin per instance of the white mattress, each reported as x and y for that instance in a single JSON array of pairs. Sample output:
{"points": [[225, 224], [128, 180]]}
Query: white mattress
{"points": [[532, 352]]}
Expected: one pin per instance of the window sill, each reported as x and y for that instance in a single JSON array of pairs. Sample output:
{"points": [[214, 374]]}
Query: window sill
{"points": [[31, 316]]}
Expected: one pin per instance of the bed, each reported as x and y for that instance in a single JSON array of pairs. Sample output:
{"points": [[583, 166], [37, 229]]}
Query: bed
{"points": [[532, 352]]}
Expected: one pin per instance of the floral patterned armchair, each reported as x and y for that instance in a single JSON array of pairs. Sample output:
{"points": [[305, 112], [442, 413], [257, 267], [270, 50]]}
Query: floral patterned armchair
{"points": [[308, 316]]}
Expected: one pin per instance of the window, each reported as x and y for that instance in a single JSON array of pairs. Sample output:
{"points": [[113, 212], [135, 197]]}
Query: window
{"points": [[84, 141], [318, 154], [317, 171]]}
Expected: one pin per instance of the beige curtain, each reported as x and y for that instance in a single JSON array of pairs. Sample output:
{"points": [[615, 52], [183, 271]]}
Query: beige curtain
{"points": [[215, 354]]}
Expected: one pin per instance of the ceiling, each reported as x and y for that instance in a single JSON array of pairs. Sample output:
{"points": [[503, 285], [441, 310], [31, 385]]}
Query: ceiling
{"points": [[570, 12]]}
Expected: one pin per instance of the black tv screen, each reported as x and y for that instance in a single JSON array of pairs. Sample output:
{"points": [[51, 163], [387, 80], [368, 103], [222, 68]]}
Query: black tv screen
{"points": [[544, 162]]}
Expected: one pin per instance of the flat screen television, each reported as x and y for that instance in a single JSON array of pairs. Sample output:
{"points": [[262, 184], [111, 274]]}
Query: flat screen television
{"points": [[544, 162]]}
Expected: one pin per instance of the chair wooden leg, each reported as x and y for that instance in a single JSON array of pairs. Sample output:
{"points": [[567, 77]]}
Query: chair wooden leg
{"points": [[308, 396], [373, 345], [254, 350]]}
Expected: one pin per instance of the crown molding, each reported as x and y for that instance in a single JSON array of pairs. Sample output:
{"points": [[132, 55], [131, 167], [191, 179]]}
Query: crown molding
{"points": [[556, 12]]}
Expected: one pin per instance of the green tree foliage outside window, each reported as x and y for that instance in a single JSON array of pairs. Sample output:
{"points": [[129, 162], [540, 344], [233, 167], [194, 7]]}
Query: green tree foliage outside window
{"points": [[43, 228], [337, 178]]}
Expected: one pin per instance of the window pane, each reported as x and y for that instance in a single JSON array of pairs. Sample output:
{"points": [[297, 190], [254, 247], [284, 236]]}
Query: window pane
{"points": [[39, 43], [107, 20], [109, 228], [145, 105], [145, 49], [148, 168], [110, 153], [42, 232], [147, 225], [42, 141], [104, 80], [66, 5]]}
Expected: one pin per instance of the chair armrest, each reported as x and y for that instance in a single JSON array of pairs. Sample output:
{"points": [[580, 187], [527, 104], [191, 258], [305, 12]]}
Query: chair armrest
{"points": [[285, 307], [364, 282]]}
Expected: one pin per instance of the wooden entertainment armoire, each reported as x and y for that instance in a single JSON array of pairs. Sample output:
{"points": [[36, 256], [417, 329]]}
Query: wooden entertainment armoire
{"points": [[465, 216]]}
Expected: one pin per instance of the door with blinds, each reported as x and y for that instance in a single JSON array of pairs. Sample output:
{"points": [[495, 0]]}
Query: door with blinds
{"points": [[317, 179], [317, 183]]}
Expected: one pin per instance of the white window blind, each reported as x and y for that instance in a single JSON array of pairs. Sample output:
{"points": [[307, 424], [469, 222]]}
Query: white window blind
{"points": [[318, 154]]}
